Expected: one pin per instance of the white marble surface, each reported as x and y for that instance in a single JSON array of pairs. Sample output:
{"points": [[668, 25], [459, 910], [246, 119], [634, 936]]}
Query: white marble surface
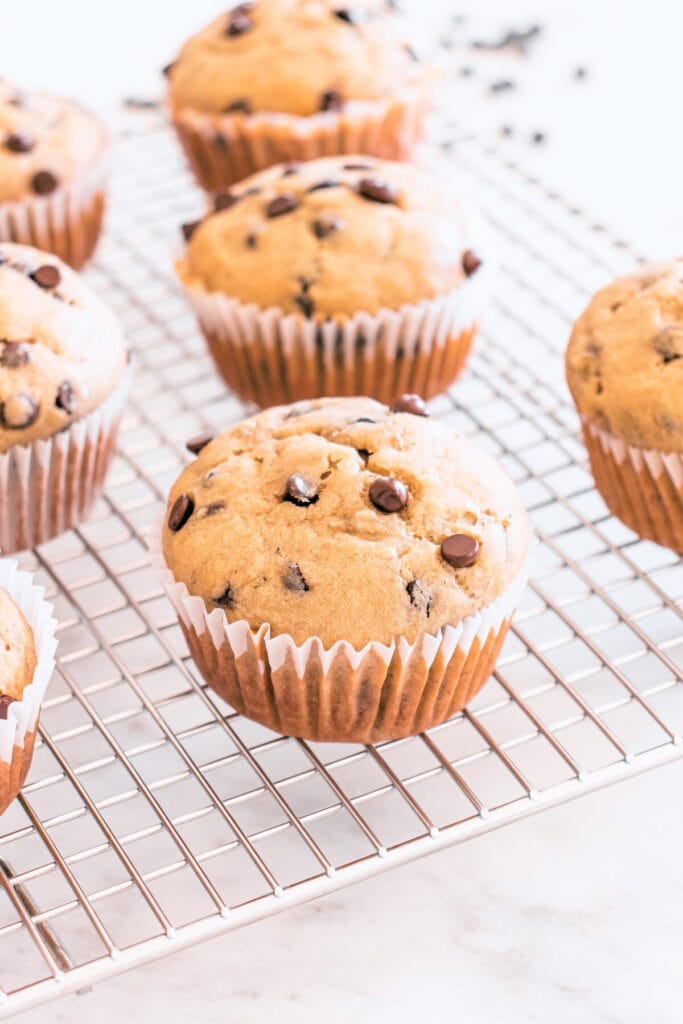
{"points": [[573, 915]]}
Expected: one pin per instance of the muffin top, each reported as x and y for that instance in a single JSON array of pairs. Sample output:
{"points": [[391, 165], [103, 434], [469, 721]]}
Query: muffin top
{"points": [[62, 351], [319, 55], [333, 237], [44, 142], [625, 358], [18, 652], [342, 519]]}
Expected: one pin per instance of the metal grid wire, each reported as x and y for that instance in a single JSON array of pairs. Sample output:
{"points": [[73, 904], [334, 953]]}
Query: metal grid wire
{"points": [[153, 816]]}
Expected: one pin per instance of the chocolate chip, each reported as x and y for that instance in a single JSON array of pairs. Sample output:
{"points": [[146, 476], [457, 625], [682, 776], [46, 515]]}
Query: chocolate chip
{"points": [[363, 454], [189, 228], [240, 106], [44, 182], [414, 404], [306, 305], [420, 596], [363, 419], [13, 355], [300, 491], [195, 444], [331, 100], [183, 507], [388, 495], [323, 227], [344, 15], [20, 142], [460, 550], [18, 412], [65, 397], [378, 191], [290, 168], [214, 508], [239, 20], [224, 200], [283, 203], [5, 701], [293, 578], [47, 276], [470, 262], [251, 241], [327, 183], [226, 599]]}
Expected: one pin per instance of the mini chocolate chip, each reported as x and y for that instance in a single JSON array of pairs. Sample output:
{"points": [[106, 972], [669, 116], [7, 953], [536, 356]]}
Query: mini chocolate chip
{"points": [[65, 397], [388, 495], [20, 142], [195, 444], [224, 200], [323, 227], [189, 228], [182, 509], [344, 15], [290, 168], [363, 419], [5, 701], [251, 241], [357, 167], [44, 182], [306, 305], [226, 599], [13, 355], [166, 70], [420, 596], [300, 491], [240, 106], [470, 262], [327, 183], [378, 191], [460, 550], [284, 203], [331, 100], [239, 20], [18, 412], [363, 454], [414, 404], [293, 578], [214, 508], [47, 276]]}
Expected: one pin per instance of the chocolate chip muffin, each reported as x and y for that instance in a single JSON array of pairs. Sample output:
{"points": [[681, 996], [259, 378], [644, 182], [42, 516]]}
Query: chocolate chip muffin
{"points": [[63, 380], [625, 371], [366, 557], [51, 174], [381, 290], [340, 79]]}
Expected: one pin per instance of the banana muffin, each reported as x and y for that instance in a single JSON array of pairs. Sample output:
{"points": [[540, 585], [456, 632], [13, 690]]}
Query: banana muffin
{"points": [[338, 79], [339, 276], [625, 371], [361, 561], [52, 174]]}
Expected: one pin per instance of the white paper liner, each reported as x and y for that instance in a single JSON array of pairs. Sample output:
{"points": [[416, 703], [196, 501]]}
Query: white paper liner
{"points": [[22, 715], [655, 462], [47, 486]]}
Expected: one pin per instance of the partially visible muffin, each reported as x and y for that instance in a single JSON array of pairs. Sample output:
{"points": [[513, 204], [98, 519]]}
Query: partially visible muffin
{"points": [[17, 644], [51, 174]]}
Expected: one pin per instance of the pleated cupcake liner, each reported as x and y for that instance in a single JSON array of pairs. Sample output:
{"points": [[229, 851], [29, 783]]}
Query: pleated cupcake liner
{"points": [[224, 148], [642, 486], [342, 694], [18, 730], [48, 486], [67, 222]]}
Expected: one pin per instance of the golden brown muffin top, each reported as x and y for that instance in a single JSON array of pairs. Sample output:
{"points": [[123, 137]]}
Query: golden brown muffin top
{"points": [[44, 142], [17, 652], [293, 56], [327, 518], [62, 350], [332, 237], [625, 358]]}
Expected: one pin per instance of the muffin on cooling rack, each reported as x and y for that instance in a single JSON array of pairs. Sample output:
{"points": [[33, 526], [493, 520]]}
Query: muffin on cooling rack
{"points": [[343, 570], [28, 645], [52, 174], [278, 80], [64, 378], [341, 276], [625, 371]]}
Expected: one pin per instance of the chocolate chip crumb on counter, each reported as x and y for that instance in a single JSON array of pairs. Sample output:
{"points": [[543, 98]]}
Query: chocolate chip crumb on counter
{"points": [[345, 521]]}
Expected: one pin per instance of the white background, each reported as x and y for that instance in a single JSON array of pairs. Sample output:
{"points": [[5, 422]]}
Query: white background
{"points": [[572, 916]]}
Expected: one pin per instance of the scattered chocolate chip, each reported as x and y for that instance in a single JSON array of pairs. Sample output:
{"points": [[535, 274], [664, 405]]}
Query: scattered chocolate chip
{"points": [[344, 15], [414, 404], [460, 550], [195, 444], [470, 262], [18, 412], [13, 355], [240, 106], [327, 183], [5, 701], [323, 227], [183, 507], [306, 305], [65, 397], [378, 191], [388, 495], [357, 167], [251, 241], [166, 70], [189, 228], [420, 596], [239, 20], [293, 578], [284, 203], [300, 491], [47, 276], [226, 599], [44, 182], [290, 168], [538, 138], [214, 508], [20, 142], [224, 200], [502, 85], [331, 100]]}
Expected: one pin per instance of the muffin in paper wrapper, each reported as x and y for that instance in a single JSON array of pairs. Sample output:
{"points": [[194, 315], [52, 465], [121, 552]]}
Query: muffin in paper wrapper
{"points": [[272, 358], [67, 222], [341, 694], [642, 486], [224, 148], [18, 730], [46, 487]]}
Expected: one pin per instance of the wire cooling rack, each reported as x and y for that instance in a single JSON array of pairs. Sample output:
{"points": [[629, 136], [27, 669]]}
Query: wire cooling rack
{"points": [[154, 817]]}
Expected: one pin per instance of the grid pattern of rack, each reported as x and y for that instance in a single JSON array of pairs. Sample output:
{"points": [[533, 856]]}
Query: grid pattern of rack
{"points": [[154, 816]]}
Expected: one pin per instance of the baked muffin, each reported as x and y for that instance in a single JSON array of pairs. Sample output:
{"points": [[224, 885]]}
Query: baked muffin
{"points": [[63, 382], [343, 570], [28, 645], [52, 174], [340, 276], [625, 371], [278, 80]]}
